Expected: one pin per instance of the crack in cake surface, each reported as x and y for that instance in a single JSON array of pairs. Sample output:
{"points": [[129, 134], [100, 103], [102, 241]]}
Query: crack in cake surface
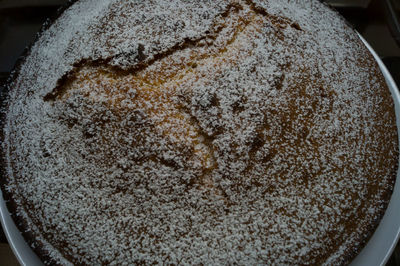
{"points": [[143, 62], [159, 80]]}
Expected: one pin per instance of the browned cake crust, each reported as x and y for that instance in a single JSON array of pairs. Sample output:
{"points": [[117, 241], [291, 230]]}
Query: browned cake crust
{"points": [[215, 132]]}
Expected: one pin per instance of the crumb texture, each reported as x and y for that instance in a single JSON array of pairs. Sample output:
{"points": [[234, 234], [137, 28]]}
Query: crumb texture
{"points": [[200, 132]]}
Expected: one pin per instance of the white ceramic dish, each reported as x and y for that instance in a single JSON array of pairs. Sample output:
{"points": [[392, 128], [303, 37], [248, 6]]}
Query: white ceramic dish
{"points": [[381, 245], [376, 252]]}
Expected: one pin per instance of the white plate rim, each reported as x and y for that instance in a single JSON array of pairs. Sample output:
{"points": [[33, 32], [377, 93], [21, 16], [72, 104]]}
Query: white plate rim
{"points": [[382, 243]]}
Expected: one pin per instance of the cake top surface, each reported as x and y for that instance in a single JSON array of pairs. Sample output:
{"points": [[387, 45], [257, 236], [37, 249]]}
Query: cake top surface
{"points": [[199, 132]]}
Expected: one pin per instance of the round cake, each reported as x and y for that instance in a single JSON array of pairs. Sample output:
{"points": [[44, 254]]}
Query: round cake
{"points": [[198, 132]]}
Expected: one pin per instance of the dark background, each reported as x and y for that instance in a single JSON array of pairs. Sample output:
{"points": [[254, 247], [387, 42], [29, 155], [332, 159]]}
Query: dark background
{"points": [[376, 20]]}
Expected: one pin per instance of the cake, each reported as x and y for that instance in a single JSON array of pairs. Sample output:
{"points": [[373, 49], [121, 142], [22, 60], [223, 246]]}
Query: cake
{"points": [[198, 132]]}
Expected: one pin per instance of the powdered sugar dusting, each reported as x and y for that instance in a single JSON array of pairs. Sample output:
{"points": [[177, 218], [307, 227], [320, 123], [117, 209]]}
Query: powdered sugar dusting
{"points": [[200, 132]]}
